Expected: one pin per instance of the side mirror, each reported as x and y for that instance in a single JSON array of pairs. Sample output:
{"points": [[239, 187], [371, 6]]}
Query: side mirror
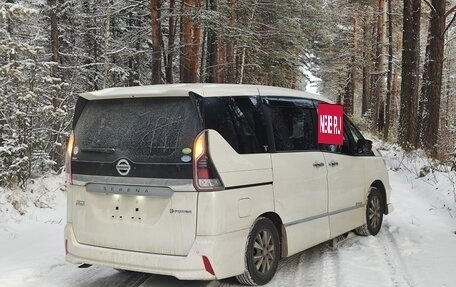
{"points": [[364, 146]]}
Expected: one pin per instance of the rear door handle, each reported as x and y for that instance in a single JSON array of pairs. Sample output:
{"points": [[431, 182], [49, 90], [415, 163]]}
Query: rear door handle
{"points": [[333, 163], [318, 164]]}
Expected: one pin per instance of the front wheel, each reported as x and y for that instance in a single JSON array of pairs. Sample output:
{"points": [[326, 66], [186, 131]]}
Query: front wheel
{"points": [[262, 253], [374, 214]]}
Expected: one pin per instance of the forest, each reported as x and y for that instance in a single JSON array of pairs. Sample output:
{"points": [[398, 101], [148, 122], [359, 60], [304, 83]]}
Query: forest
{"points": [[391, 63]]}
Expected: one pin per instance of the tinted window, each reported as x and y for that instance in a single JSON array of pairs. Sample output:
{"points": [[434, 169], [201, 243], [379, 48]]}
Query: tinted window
{"points": [[144, 130], [345, 148], [293, 128], [289, 102], [351, 137], [239, 120], [354, 132]]}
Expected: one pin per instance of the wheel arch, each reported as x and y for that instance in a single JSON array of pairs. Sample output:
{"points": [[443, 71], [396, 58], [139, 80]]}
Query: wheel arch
{"points": [[278, 223], [381, 187]]}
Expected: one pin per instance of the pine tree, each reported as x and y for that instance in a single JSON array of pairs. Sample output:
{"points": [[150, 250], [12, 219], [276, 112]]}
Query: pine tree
{"points": [[28, 106]]}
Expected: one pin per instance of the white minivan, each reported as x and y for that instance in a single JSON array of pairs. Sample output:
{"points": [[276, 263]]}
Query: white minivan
{"points": [[209, 181]]}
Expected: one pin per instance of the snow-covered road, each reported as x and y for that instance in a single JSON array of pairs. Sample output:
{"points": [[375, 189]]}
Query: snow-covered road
{"points": [[416, 246]]}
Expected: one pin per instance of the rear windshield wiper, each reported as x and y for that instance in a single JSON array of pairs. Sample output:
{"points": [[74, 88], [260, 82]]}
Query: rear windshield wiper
{"points": [[98, 149]]}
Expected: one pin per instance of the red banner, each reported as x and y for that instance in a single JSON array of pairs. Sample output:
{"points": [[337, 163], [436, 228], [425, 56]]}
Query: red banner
{"points": [[330, 124]]}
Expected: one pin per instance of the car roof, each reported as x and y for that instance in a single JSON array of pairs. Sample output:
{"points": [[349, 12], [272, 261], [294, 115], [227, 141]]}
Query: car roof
{"points": [[204, 90]]}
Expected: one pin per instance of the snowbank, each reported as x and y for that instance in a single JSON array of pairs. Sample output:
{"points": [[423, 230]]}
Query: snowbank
{"points": [[40, 198]]}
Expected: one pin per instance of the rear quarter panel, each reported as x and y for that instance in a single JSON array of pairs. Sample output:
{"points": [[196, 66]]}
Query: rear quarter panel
{"points": [[248, 189]]}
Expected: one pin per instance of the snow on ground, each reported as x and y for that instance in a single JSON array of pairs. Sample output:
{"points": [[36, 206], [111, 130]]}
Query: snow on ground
{"points": [[416, 246]]}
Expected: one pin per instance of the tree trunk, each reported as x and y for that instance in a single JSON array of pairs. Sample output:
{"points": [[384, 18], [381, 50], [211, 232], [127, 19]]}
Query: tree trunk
{"points": [[171, 38], [137, 59], [448, 85], [410, 73], [131, 60], [230, 47], [55, 48], [377, 98], [186, 35], [196, 44], [389, 77], [366, 65], [244, 49], [155, 22], [90, 44], [191, 34], [394, 113], [221, 59], [349, 93], [203, 65], [57, 153], [432, 80], [106, 46], [212, 50], [351, 78], [55, 43]]}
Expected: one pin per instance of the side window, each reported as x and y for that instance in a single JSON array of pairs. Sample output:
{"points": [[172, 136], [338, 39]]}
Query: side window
{"points": [[343, 149], [239, 120], [293, 128], [351, 137], [354, 133]]}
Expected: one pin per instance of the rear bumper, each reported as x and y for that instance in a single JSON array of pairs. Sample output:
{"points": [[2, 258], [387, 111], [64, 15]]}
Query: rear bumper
{"points": [[225, 253]]}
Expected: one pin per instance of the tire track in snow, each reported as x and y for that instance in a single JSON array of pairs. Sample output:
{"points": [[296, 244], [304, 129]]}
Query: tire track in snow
{"points": [[309, 268], [398, 270], [314, 267], [323, 265], [373, 261], [137, 280], [114, 279], [330, 270], [317, 267], [169, 281]]}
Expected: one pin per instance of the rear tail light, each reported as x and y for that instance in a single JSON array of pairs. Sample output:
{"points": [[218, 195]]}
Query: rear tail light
{"points": [[66, 247], [68, 155], [205, 176]]}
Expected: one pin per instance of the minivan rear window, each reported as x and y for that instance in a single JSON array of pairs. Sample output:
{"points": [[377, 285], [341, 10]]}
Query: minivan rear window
{"points": [[143, 130]]}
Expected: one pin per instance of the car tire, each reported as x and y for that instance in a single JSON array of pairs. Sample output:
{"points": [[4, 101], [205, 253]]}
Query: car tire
{"points": [[374, 214], [262, 253]]}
